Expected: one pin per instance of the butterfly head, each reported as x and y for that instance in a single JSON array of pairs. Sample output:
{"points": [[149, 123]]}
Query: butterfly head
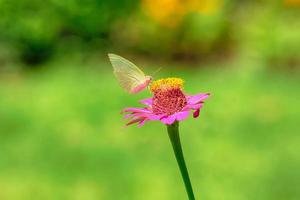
{"points": [[149, 78]]}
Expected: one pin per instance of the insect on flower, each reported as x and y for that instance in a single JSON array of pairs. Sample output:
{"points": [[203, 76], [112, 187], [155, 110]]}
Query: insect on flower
{"points": [[168, 104], [130, 77]]}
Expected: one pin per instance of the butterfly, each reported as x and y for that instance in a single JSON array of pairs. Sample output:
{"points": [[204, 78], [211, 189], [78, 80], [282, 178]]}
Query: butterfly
{"points": [[130, 77]]}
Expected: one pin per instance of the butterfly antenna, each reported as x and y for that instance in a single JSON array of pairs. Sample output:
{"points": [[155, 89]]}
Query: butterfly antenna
{"points": [[155, 72]]}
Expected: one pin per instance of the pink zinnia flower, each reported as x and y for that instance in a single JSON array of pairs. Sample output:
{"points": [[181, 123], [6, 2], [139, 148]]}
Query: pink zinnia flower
{"points": [[168, 104]]}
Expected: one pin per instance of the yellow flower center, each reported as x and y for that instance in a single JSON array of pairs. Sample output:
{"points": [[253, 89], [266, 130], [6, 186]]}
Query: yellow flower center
{"points": [[166, 84]]}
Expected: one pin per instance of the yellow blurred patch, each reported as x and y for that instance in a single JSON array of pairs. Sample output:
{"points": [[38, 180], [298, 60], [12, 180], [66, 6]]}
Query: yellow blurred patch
{"points": [[292, 3], [171, 12]]}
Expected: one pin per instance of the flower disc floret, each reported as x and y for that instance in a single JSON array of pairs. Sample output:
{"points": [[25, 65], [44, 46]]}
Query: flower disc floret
{"points": [[166, 83]]}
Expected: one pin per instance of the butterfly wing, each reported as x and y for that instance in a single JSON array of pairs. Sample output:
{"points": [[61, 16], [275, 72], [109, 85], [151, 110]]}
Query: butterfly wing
{"points": [[128, 74]]}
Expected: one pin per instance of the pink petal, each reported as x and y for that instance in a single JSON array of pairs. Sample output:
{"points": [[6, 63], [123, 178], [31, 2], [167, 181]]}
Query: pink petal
{"points": [[182, 115], [193, 106], [141, 123], [168, 119], [147, 102], [127, 116], [146, 115], [135, 120], [197, 98], [137, 110], [196, 113], [154, 117]]}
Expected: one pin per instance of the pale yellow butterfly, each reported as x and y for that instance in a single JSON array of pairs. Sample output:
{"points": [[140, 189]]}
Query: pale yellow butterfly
{"points": [[130, 77]]}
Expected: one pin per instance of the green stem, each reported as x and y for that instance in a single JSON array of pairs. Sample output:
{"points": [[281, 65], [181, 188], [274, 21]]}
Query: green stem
{"points": [[175, 140]]}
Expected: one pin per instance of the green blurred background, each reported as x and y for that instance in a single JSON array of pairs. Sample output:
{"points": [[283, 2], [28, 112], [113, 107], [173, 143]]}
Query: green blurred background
{"points": [[61, 134]]}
